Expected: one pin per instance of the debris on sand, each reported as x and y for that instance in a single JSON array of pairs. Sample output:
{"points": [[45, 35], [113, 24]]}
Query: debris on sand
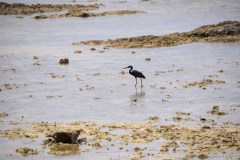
{"points": [[227, 31], [153, 118], [24, 9], [25, 151], [53, 75], [3, 114], [77, 52], [204, 82], [178, 119], [216, 111], [11, 86], [64, 61], [183, 113]]}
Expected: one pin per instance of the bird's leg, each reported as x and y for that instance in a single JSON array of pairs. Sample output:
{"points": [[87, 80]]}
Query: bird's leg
{"points": [[136, 82], [141, 83]]}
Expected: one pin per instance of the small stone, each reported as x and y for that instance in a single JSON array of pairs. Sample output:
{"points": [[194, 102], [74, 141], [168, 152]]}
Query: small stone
{"points": [[220, 71], [64, 61], [77, 52], [137, 149], [148, 59]]}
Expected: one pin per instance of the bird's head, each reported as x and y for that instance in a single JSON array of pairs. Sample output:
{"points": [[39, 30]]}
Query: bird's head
{"points": [[128, 67]]}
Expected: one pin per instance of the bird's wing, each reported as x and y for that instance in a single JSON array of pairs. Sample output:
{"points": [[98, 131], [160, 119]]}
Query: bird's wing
{"points": [[138, 74]]}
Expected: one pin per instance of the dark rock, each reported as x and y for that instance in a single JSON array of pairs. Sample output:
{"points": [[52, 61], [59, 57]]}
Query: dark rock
{"points": [[66, 137], [64, 61]]}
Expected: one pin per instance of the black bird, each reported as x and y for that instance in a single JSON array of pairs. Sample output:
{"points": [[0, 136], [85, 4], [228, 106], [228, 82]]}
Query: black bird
{"points": [[136, 74]]}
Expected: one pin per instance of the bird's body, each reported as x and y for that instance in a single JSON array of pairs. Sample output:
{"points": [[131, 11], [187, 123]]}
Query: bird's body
{"points": [[136, 74]]}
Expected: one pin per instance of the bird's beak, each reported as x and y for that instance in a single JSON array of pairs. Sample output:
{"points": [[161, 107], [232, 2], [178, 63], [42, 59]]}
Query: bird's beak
{"points": [[125, 67]]}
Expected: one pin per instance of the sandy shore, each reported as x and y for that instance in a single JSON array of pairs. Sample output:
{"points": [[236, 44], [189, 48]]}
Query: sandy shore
{"points": [[228, 31]]}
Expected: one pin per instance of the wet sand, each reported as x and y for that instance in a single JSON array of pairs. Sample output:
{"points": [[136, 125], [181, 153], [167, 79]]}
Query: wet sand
{"points": [[228, 31]]}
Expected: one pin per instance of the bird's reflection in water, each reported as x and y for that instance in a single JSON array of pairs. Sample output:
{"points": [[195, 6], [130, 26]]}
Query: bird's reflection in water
{"points": [[139, 94]]}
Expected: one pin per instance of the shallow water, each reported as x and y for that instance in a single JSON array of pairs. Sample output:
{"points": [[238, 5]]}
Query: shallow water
{"points": [[110, 96]]}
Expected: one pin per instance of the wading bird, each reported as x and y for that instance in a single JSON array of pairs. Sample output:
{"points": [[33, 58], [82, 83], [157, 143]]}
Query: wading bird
{"points": [[136, 74]]}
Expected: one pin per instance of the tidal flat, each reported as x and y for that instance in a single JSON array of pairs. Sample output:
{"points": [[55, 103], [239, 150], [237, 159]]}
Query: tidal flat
{"points": [[65, 95]]}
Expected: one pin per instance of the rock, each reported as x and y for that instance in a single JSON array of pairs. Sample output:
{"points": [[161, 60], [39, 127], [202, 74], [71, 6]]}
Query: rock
{"points": [[137, 149], [220, 71], [64, 61], [203, 119], [206, 127], [25, 151], [77, 52], [92, 49], [148, 59], [66, 137]]}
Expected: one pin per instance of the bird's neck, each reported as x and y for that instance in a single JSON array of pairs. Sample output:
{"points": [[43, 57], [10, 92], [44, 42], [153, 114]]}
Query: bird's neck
{"points": [[130, 70]]}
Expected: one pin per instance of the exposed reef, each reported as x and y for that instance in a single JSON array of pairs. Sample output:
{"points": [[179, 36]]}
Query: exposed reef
{"points": [[72, 10], [83, 136], [227, 31], [24, 9], [87, 14]]}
